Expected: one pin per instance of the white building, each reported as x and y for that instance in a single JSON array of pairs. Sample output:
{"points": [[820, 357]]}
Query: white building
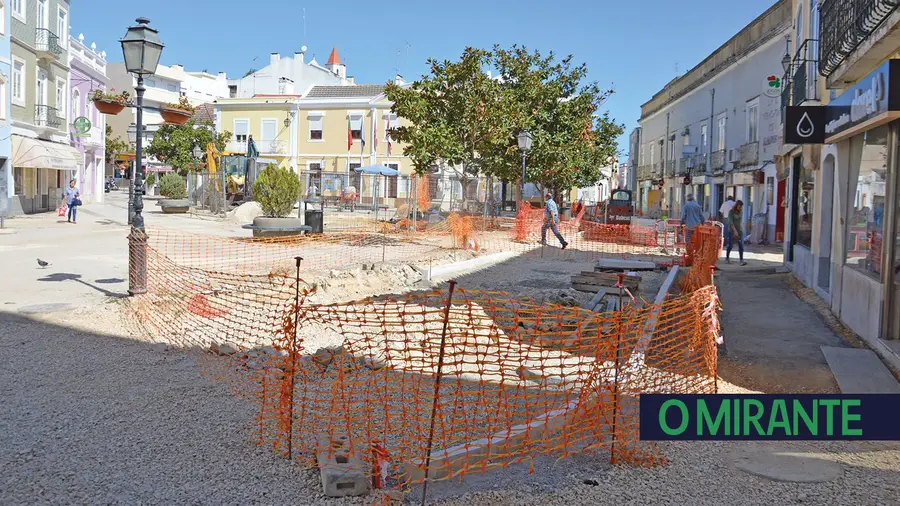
{"points": [[86, 126], [166, 86], [289, 75]]}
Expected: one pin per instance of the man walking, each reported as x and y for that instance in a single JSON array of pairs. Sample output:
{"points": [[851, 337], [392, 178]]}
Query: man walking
{"points": [[691, 217], [551, 221], [724, 211]]}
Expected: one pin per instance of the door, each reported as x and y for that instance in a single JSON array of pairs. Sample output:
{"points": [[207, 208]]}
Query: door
{"points": [[795, 210], [42, 11], [780, 206], [826, 224], [269, 131], [40, 98]]}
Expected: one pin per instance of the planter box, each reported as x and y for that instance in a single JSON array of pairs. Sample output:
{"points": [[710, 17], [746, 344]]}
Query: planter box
{"points": [[277, 227], [174, 206], [108, 107], [175, 116]]}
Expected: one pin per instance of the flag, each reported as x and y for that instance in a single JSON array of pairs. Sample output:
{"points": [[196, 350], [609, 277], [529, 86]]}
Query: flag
{"points": [[349, 135], [387, 135], [362, 133]]}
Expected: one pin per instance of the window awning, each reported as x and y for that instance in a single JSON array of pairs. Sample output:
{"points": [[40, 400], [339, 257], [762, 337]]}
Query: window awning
{"points": [[39, 154]]}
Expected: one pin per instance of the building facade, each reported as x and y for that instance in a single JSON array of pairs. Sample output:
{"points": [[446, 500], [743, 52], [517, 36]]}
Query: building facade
{"points": [[287, 75], [6, 171], [714, 131], [42, 159], [166, 86], [845, 193], [87, 127]]}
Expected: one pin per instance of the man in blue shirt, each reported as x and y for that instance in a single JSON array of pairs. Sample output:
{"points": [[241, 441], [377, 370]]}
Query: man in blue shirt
{"points": [[551, 221], [691, 216]]}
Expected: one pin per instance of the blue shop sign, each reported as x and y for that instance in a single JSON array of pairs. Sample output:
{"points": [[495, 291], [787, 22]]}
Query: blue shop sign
{"points": [[872, 101]]}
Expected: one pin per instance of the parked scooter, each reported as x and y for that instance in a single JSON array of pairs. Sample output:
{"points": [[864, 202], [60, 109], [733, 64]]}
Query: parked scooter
{"points": [[110, 185]]}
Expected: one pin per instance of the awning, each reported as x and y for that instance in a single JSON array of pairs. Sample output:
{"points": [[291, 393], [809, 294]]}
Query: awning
{"points": [[378, 169], [39, 154]]}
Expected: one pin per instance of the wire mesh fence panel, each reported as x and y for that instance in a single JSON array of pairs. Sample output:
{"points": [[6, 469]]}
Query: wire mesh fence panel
{"points": [[441, 382], [207, 191]]}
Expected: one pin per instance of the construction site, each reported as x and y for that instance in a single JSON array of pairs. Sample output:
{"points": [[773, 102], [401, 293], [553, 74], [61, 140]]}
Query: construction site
{"points": [[386, 353]]}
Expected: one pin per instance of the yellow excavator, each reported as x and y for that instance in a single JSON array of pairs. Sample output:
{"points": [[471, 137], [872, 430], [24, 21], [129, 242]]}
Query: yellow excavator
{"points": [[234, 167]]}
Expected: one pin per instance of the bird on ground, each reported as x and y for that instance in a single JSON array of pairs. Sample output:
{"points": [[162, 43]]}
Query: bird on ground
{"points": [[42, 263]]}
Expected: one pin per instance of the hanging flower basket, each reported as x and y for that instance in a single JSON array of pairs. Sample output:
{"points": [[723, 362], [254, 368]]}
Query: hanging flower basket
{"points": [[110, 102], [175, 116]]}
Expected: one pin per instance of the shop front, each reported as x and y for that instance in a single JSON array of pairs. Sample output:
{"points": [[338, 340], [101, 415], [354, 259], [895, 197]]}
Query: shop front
{"points": [[41, 171], [858, 228]]}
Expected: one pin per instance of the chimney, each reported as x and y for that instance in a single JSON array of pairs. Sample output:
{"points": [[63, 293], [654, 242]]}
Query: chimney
{"points": [[398, 80], [351, 81], [285, 86], [298, 57], [178, 66], [222, 76], [274, 57]]}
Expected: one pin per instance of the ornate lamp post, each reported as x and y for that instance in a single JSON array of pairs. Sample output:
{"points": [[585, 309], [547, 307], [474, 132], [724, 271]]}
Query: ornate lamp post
{"points": [[142, 48], [524, 139]]}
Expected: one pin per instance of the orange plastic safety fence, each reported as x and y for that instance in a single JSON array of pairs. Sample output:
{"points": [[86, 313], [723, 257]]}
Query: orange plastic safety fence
{"points": [[703, 253]]}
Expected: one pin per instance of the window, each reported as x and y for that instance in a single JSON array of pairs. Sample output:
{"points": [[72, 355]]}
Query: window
{"points": [[76, 103], [392, 182], [315, 126], [268, 133], [41, 98], [42, 12], [2, 17], [652, 153], [314, 170], [390, 122], [3, 112], [798, 27], [18, 9], [672, 149], [171, 87], [19, 180], [865, 222], [720, 133], [61, 105], [753, 120], [18, 79], [703, 137], [241, 130], [356, 126], [812, 73], [687, 139], [150, 83], [62, 26]]}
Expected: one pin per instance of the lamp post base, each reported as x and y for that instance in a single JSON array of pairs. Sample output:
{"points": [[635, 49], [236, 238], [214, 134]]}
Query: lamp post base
{"points": [[137, 262]]}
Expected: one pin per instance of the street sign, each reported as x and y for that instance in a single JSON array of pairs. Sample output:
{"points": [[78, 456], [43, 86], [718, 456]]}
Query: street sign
{"points": [[82, 127], [804, 124]]}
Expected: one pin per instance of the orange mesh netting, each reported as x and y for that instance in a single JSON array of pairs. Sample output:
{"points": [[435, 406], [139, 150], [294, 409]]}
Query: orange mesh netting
{"points": [[475, 379]]}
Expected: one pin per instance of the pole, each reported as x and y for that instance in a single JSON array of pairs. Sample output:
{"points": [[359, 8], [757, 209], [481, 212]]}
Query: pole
{"points": [[522, 189], [137, 245], [290, 434], [612, 450], [437, 388]]}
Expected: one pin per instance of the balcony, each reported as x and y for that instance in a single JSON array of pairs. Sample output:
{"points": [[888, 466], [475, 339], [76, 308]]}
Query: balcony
{"points": [[699, 168], [656, 170], [717, 161], [851, 29], [685, 164], [267, 147], [46, 116], [644, 172], [670, 168], [749, 154], [46, 45], [804, 84]]}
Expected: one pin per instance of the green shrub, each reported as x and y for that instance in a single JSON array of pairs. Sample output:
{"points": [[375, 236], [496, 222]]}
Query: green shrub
{"points": [[151, 178], [276, 189], [172, 186]]}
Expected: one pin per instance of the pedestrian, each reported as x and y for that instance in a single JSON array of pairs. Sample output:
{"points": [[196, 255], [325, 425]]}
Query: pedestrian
{"points": [[724, 209], [72, 200], [735, 226], [691, 217], [551, 221]]}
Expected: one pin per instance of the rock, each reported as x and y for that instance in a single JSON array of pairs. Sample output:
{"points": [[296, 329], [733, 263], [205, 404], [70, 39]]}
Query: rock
{"points": [[159, 347], [223, 348], [324, 356], [372, 363], [801, 497]]}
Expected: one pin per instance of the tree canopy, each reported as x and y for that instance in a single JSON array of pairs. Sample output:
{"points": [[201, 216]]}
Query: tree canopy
{"points": [[460, 115], [114, 145], [174, 145]]}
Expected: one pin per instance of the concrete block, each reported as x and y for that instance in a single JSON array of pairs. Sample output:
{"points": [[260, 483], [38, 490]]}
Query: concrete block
{"points": [[343, 473], [860, 371]]}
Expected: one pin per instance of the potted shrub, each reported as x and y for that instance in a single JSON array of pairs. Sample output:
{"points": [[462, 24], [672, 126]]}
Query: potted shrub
{"points": [[110, 102], [172, 187], [177, 114], [276, 189]]}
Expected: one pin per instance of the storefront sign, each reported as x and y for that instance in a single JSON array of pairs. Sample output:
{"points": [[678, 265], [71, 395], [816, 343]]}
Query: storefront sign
{"points": [[82, 127], [772, 86], [874, 95], [804, 124]]}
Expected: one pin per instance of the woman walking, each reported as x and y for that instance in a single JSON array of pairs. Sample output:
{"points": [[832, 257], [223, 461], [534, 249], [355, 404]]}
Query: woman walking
{"points": [[72, 200], [735, 225]]}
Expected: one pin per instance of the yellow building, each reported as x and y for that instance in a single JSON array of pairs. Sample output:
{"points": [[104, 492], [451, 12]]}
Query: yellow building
{"points": [[324, 135]]}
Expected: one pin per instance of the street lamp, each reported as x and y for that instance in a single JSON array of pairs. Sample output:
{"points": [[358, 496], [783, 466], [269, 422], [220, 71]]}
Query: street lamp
{"points": [[197, 152], [141, 48], [786, 59], [524, 139]]}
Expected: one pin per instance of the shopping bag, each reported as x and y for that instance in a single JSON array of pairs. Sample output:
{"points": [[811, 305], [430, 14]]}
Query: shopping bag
{"points": [[61, 211]]}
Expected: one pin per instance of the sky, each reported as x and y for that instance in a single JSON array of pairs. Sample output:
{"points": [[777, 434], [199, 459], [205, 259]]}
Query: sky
{"points": [[633, 46]]}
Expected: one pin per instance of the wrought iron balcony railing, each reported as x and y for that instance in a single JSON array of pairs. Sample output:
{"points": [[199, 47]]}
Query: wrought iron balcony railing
{"points": [[46, 116], [47, 42], [845, 24], [699, 167], [685, 164], [644, 172], [749, 154], [670, 168], [717, 161], [804, 84]]}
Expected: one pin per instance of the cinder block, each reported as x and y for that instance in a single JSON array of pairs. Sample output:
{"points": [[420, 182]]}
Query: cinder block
{"points": [[343, 473]]}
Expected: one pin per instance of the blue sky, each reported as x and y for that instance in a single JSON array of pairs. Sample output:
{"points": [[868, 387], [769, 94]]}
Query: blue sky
{"points": [[633, 45]]}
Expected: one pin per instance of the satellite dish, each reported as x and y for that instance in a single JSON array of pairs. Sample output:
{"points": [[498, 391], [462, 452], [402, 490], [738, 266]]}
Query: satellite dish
{"points": [[302, 49]]}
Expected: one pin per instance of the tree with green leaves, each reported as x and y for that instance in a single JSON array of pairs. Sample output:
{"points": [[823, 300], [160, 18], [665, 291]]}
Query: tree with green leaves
{"points": [[453, 116], [114, 145], [174, 144]]}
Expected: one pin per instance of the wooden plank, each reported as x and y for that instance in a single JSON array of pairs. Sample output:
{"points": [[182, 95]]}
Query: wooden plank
{"points": [[626, 265], [594, 301], [594, 288], [587, 280], [630, 282], [640, 348]]}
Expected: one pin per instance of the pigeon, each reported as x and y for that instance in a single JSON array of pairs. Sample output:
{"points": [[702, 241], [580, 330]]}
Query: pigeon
{"points": [[42, 263]]}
